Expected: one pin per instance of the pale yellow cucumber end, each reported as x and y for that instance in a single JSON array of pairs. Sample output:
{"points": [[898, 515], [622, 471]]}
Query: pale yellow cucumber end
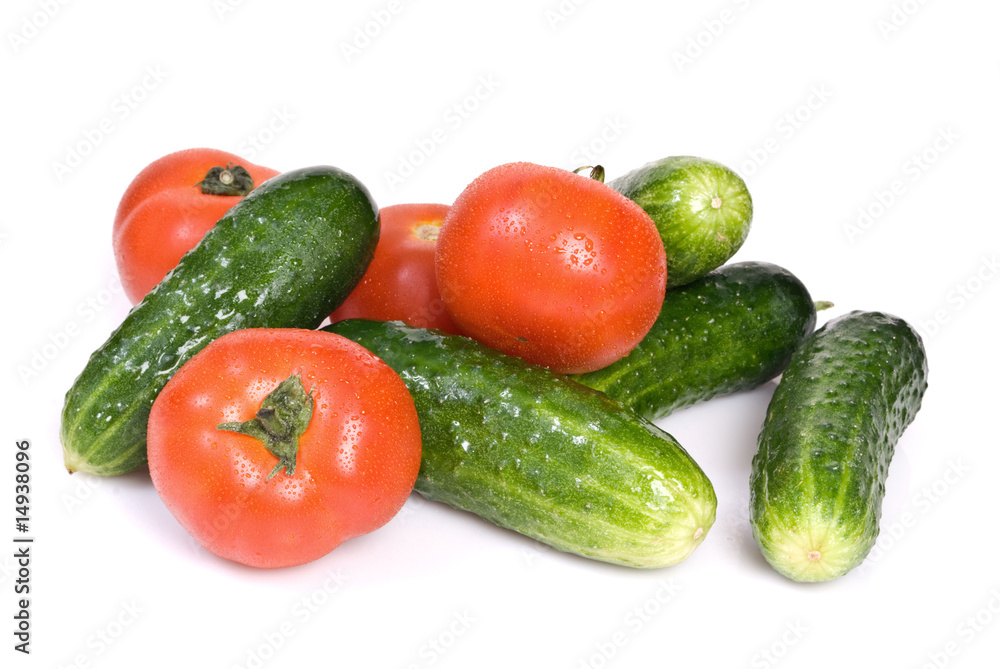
{"points": [[74, 462], [71, 457], [812, 553], [683, 537]]}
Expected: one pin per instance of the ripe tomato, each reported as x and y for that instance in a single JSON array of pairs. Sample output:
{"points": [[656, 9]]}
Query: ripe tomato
{"points": [[551, 266], [399, 284], [271, 447], [169, 207]]}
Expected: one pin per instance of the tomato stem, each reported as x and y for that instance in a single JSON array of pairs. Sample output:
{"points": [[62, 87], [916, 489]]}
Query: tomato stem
{"points": [[228, 180], [596, 172], [282, 418]]}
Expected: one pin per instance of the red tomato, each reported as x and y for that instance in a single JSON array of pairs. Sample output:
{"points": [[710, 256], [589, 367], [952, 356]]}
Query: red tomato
{"points": [[165, 211], [557, 268], [338, 468], [399, 284]]}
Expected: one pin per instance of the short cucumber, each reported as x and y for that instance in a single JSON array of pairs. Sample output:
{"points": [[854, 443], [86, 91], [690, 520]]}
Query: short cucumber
{"points": [[730, 330], [533, 451], [284, 256], [702, 209], [823, 453]]}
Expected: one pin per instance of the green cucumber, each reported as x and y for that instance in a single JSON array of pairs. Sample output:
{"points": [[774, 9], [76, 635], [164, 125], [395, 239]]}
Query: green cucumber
{"points": [[538, 453], [824, 450], [733, 329], [702, 209], [285, 256]]}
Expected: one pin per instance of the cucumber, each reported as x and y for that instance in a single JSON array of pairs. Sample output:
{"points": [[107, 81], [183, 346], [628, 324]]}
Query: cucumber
{"points": [[538, 453], [823, 454], [284, 256], [702, 209], [733, 329]]}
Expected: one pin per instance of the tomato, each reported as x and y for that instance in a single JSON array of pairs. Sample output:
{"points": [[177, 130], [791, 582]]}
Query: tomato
{"points": [[169, 207], [399, 284], [551, 266], [273, 446]]}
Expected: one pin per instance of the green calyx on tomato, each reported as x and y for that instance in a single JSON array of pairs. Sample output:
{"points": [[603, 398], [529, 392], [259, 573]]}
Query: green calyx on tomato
{"points": [[596, 172], [228, 180], [282, 418]]}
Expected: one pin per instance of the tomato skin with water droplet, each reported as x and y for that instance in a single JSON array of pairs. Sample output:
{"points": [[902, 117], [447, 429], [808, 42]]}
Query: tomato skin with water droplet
{"points": [[550, 266], [399, 284], [356, 463]]}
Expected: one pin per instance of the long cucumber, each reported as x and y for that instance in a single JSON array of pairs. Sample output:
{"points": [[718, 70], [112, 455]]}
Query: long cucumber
{"points": [[538, 453]]}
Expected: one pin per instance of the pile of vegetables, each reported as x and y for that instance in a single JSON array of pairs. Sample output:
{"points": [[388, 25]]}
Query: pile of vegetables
{"points": [[504, 354]]}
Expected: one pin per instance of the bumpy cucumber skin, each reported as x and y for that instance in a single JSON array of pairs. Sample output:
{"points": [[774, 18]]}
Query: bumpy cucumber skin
{"points": [[533, 451], [819, 475], [678, 192], [733, 329], [284, 256]]}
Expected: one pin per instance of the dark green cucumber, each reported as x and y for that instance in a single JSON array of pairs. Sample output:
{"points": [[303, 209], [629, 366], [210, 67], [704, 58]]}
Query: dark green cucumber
{"points": [[533, 451], [702, 209], [730, 330], [823, 454], [284, 256]]}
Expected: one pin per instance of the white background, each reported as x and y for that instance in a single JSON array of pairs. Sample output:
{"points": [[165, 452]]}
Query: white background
{"points": [[824, 108]]}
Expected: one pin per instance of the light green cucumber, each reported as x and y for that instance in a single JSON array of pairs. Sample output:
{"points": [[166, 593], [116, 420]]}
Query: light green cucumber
{"points": [[702, 209]]}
